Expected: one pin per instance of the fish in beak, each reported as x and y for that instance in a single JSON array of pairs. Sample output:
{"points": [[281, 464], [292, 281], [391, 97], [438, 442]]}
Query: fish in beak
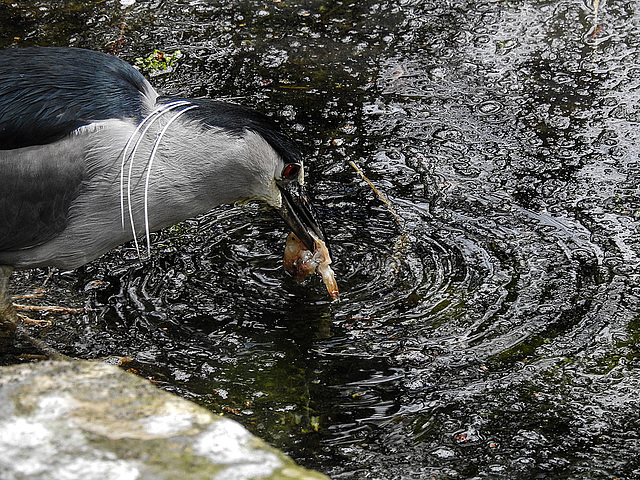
{"points": [[305, 251]]}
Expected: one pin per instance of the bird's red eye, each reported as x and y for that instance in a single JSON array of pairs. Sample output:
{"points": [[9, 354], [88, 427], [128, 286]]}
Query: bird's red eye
{"points": [[291, 171]]}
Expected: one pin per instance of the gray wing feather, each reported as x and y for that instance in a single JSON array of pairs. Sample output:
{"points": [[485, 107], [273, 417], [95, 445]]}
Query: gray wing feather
{"points": [[37, 188], [45, 94]]}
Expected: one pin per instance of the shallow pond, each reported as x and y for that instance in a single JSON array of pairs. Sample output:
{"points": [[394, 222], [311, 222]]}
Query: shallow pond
{"points": [[488, 329]]}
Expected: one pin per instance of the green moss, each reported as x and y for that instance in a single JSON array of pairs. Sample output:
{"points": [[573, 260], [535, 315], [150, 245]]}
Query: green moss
{"points": [[168, 459], [158, 63]]}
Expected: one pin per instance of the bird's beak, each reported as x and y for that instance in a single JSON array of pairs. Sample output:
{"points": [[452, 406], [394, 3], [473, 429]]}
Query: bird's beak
{"points": [[297, 212]]}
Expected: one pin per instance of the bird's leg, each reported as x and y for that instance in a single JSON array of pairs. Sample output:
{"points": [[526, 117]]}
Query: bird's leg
{"points": [[5, 301], [10, 320]]}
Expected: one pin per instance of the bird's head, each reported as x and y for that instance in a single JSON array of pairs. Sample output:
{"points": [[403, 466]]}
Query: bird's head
{"points": [[265, 164], [278, 179]]}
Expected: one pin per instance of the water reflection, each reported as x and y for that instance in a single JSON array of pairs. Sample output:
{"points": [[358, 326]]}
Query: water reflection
{"points": [[492, 332]]}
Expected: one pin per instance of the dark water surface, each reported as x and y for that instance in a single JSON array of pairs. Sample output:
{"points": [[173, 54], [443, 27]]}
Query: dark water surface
{"points": [[491, 331]]}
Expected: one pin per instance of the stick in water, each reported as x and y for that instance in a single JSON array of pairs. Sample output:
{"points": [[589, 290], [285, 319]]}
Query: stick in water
{"points": [[377, 192]]}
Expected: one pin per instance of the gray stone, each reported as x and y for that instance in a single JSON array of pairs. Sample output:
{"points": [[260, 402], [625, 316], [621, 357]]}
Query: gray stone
{"points": [[86, 420]]}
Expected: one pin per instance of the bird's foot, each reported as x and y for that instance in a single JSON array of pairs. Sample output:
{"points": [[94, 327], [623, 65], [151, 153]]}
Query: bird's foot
{"points": [[39, 292], [40, 323], [12, 324], [46, 308], [40, 308]]}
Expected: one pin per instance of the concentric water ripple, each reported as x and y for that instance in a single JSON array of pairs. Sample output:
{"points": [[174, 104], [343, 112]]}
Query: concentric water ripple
{"points": [[491, 331]]}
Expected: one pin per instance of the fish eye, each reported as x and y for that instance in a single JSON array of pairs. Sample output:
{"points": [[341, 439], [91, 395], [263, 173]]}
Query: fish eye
{"points": [[291, 171]]}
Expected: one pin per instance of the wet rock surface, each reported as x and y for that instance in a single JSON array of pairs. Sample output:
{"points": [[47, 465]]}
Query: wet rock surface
{"points": [[85, 420]]}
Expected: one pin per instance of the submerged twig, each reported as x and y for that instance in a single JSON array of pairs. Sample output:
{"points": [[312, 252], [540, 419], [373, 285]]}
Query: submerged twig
{"points": [[377, 192], [596, 28]]}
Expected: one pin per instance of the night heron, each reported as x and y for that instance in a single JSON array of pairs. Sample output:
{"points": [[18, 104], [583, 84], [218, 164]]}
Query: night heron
{"points": [[92, 157]]}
